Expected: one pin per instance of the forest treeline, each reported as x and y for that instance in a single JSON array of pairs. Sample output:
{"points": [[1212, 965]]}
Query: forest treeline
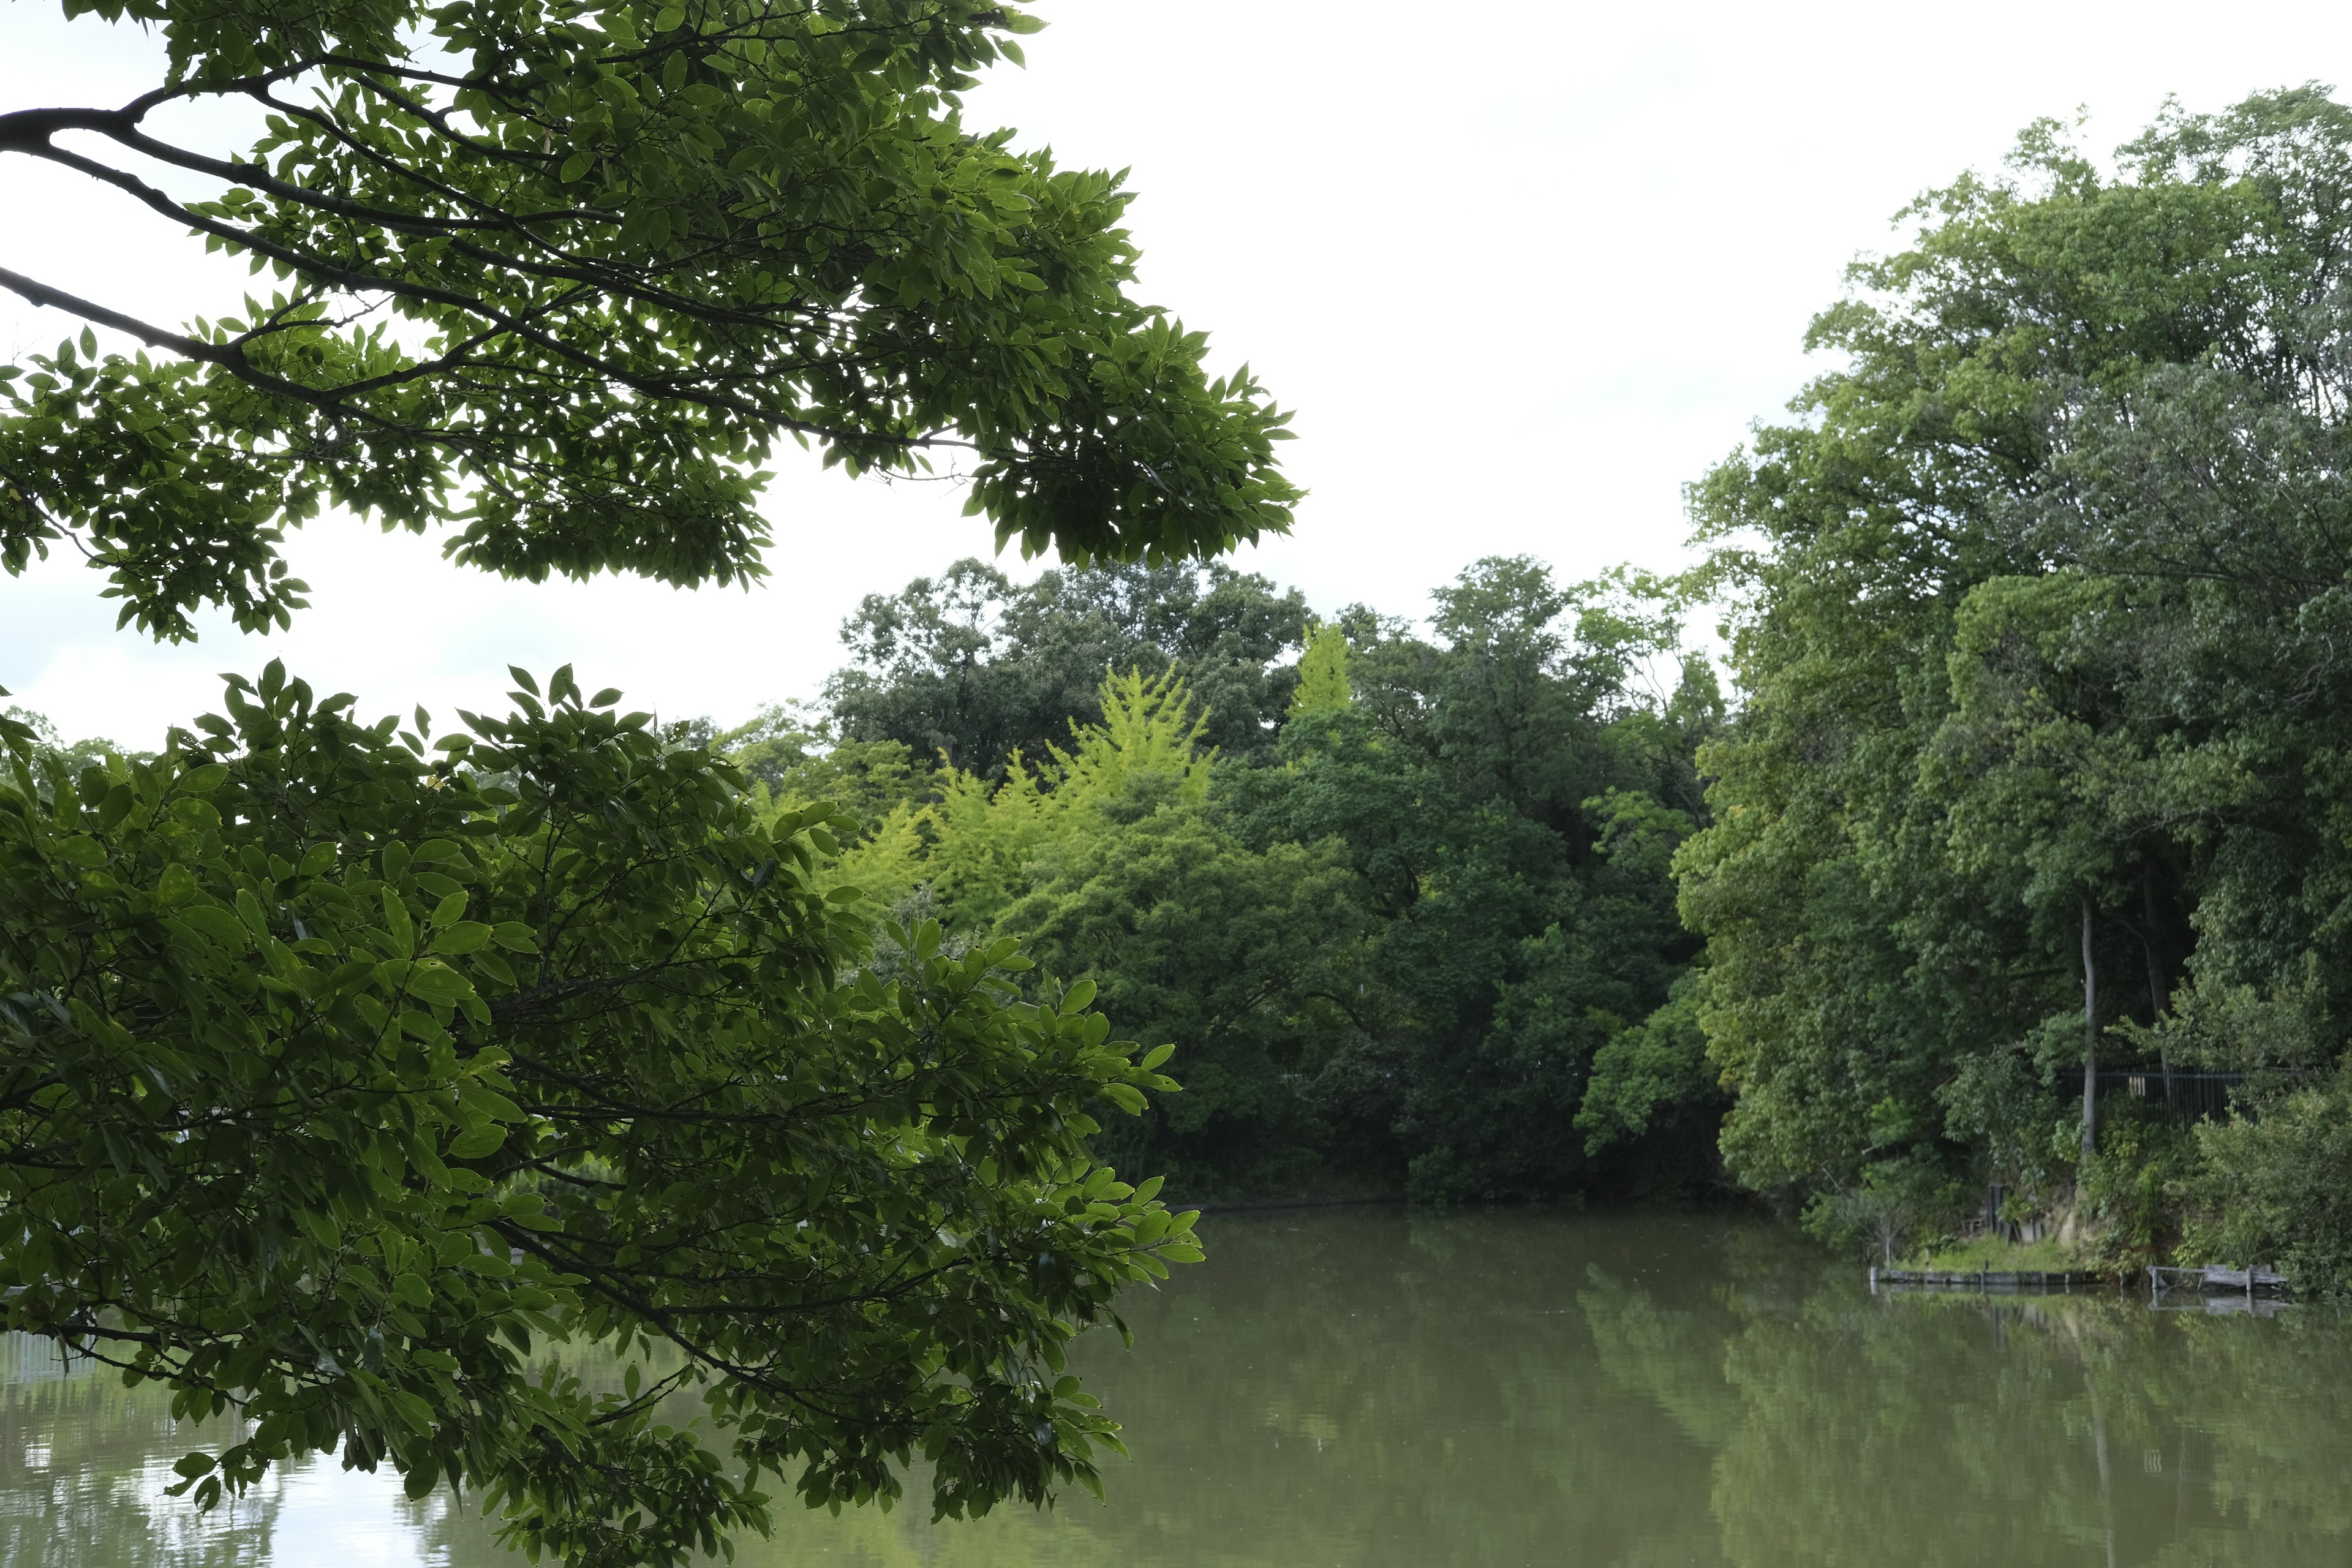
{"points": [[2034, 771], [2038, 761], [1404, 902]]}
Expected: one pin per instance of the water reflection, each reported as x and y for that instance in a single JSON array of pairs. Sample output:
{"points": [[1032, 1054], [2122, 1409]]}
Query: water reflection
{"points": [[1374, 1387]]}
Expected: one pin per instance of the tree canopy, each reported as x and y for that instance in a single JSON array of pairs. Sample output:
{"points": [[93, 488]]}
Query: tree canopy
{"points": [[351, 1079], [2039, 628], [968, 668], [348, 1080], [560, 277], [1409, 916]]}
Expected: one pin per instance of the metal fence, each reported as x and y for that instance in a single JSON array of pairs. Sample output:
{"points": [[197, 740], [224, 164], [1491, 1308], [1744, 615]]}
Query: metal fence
{"points": [[2185, 1096]]}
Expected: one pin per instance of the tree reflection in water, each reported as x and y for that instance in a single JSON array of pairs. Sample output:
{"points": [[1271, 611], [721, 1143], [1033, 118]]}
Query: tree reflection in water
{"points": [[1378, 1387]]}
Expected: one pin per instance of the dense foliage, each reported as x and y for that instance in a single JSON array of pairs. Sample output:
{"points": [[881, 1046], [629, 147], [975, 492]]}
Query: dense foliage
{"points": [[561, 277], [2044, 754], [970, 669], [344, 1080], [1406, 911], [348, 1077]]}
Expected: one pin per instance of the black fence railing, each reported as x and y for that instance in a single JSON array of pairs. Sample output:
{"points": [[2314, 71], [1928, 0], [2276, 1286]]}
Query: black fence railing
{"points": [[2189, 1096]]}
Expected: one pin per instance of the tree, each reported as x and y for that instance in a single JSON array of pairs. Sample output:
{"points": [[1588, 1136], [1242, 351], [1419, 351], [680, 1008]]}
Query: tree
{"points": [[973, 669], [2037, 619], [1322, 672], [1112, 863], [345, 1079], [564, 278], [342, 1078], [1502, 793], [1400, 944]]}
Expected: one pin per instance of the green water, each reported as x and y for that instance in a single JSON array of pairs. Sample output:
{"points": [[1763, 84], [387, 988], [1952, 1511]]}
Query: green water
{"points": [[1369, 1386]]}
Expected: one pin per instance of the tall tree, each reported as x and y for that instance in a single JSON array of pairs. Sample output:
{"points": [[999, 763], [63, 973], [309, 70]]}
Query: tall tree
{"points": [[1509, 799], [2036, 631], [970, 668], [341, 1084]]}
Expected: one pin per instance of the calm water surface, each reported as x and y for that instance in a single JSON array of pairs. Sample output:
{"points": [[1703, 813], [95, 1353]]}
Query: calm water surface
{"points": [[1371, 1386]]}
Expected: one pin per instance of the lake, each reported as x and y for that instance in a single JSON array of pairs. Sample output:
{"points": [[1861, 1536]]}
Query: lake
{"points": [[1380, 1386]]}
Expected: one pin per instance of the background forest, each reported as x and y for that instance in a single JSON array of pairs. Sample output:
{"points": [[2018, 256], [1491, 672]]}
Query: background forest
{"points": [[2037, 770], [2010, 885], [1404, 902]]}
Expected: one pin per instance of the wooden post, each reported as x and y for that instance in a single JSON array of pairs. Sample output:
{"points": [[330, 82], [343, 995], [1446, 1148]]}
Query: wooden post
{"points": [[2090, 1033]]}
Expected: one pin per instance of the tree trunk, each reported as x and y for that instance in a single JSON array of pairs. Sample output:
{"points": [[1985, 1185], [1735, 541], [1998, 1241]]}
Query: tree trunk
{"points": [[2090, 1035], [2155, 976]]}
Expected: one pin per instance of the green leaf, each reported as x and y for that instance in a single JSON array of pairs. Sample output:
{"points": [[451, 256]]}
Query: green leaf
{"points": [[477, 1143], [398, 924], [177, 885], [515, 936], [218, 924], [437, 983], [466, 936], [81, 851]]}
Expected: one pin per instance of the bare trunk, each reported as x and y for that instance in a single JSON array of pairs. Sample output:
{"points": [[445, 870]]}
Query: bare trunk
{"points": [[2090, 1035], [2155, 976]]}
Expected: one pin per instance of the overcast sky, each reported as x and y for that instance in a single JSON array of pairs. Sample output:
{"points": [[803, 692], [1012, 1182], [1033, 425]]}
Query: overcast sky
{"points": [[1522, 269]]}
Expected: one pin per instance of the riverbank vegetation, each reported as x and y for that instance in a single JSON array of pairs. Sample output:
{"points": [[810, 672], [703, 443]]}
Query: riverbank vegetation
{"points": [[349, 1067], [2039, 631], [1403, 901], [2032, 776]]}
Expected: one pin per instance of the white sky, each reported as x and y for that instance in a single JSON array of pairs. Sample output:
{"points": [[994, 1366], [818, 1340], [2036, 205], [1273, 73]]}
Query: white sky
{"points": [[1523, 269]]}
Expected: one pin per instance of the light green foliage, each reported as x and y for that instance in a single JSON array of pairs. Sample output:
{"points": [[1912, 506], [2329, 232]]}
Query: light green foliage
{"points": [[1322, 672], [986, 838], [1658, 1065], [348, 1077], [793, 759], [1106, 860], [561, 278]]}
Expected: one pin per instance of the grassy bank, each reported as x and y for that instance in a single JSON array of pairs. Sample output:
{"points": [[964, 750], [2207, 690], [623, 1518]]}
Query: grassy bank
{"points": [[1993, 1256]]}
